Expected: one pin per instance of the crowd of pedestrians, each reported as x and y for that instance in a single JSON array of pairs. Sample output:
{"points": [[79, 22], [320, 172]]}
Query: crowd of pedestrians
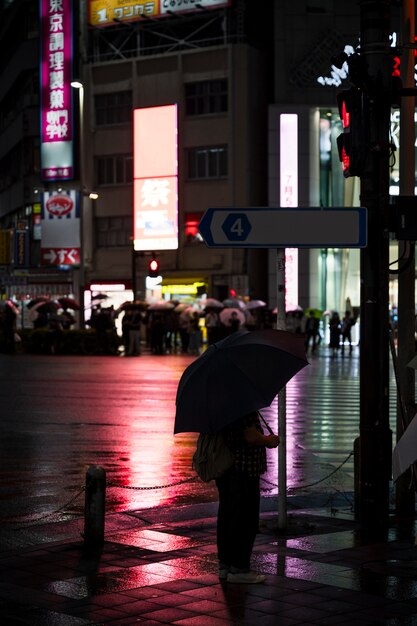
{"points": [[184, 329]]}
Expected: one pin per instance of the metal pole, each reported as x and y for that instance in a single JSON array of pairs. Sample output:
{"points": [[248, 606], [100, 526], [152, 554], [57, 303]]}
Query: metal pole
{"points": [[405, 496], [282, 398], [134, 279], [82, 246], [373, 460], [94, 514]]}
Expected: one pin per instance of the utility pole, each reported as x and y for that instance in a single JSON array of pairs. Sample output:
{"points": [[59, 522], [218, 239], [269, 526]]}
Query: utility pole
{"points": [[374, 446]]}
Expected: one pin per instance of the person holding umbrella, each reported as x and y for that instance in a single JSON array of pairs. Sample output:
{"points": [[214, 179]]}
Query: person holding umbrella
{"points": [[222, 392], [239, 498]]}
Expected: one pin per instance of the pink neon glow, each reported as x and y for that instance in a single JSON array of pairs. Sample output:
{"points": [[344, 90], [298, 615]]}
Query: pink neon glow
{"points": [[289, 198], [155, 170], [56, 98], [155, 141]]}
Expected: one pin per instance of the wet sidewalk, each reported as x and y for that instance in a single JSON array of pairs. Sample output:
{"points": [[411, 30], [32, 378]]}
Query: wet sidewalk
{"points": [[158, 566]]}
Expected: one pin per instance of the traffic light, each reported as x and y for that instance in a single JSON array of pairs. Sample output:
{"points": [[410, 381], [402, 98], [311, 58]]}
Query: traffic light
{"points": [[352, 144], [153, 268]]}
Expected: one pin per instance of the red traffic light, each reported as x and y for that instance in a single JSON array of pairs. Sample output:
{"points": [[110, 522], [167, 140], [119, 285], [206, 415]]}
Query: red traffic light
{"points": [[153, 268]]}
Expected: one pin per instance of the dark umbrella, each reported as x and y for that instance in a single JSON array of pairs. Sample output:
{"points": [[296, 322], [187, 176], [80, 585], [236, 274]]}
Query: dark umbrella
{"points": [[69, 303], [49, 306], [136, 305], [235, 376], [37, 301], [100, 296]]}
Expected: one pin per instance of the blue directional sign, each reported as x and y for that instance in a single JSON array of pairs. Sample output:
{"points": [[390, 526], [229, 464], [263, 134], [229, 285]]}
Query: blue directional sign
{"points": [[285, 228]]}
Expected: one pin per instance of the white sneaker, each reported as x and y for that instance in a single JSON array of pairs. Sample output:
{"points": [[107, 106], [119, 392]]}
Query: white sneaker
{"points": [[250, 577]]}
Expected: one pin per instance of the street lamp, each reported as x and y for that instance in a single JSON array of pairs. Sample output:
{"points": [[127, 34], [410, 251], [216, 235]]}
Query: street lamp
{"points": [[81, 273]]}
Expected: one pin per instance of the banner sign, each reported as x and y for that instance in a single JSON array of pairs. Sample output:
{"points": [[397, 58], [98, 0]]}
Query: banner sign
{"points": [[5, 246], [60, 243], [155, 173], [57, 159], [108, 12], [21, 246]]}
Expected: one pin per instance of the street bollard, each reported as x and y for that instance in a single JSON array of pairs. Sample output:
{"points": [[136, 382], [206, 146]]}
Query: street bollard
{"points": [[95, 499]]}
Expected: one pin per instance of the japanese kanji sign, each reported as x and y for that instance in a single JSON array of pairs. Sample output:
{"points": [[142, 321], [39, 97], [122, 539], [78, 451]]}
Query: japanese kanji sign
{"points": [[155, 171], [106, 12], [56, 75], [60, 243]]}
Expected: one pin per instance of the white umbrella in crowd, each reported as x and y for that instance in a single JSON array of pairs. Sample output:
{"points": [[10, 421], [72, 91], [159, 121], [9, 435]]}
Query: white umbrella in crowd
{"points": [[162, 305], [228, 314], [255, 304], [233, 303], [212, 303]]}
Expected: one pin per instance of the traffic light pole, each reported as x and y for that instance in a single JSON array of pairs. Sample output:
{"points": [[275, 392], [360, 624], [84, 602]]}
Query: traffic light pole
{"points": [[374, 448], [405, 487]]}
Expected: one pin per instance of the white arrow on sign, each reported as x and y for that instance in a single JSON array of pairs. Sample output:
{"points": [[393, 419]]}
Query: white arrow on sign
{"points": [[49, 256], [285, 228]]}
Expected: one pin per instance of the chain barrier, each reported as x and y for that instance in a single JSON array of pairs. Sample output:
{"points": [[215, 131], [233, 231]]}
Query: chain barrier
{"points": [[317, 482], [34, 521], [179, 482], [165, 486]]}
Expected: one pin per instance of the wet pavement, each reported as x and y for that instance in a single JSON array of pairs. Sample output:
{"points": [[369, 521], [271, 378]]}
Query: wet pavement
{"points": [[159, 567], [158, 564]]}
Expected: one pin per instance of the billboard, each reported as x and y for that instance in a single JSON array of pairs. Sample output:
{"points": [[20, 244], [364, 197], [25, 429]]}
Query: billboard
{"points": [[288, 177], [155, 178], [60, 243], [56, 98], [109, 12]]}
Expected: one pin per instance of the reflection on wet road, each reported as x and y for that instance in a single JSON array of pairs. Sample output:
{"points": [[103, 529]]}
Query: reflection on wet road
{"points": [[62, 414]]}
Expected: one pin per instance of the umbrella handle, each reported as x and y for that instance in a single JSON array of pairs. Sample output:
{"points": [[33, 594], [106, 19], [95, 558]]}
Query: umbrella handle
{"points": [[271, 432]]}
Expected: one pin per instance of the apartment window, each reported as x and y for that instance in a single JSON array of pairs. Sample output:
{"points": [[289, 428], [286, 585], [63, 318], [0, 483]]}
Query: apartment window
{"points": [[192, 221], [114, 169], [113, 108], [114, 231], [210, 162], [206, 97]]}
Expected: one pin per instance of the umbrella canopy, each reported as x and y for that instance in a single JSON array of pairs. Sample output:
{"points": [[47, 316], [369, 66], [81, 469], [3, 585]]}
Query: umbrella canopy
{"points": [[227, 316], [37, 301], [13, 306], [100, 296], [181, 307], [316, 312], [162, 305], [49, 306], [255, 304], [235, 376], [234, 303], [133, 305], [69, 303], [212, 303]]}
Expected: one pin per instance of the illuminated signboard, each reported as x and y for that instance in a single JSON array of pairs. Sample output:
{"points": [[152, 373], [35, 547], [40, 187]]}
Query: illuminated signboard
{"points": [[109, 12], [155, 173], [289, 198], [339, 74], [60, 244], [56, 100]]}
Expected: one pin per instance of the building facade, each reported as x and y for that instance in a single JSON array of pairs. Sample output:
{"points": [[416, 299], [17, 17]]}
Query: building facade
{"points": [[232, 71]]}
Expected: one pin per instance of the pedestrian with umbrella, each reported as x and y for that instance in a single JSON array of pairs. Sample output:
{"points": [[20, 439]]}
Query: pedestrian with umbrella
{"points": [[222, 392], [9, 319]]}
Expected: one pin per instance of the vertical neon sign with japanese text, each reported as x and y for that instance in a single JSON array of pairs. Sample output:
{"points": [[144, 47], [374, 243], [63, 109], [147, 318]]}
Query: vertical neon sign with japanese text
{"points": [[57, 159], [289, 198], [155, 173]]}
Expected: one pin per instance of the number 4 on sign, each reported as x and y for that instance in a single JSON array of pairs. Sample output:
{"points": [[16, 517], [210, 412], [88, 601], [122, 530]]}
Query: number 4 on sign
{"points": [[236, 227]]}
